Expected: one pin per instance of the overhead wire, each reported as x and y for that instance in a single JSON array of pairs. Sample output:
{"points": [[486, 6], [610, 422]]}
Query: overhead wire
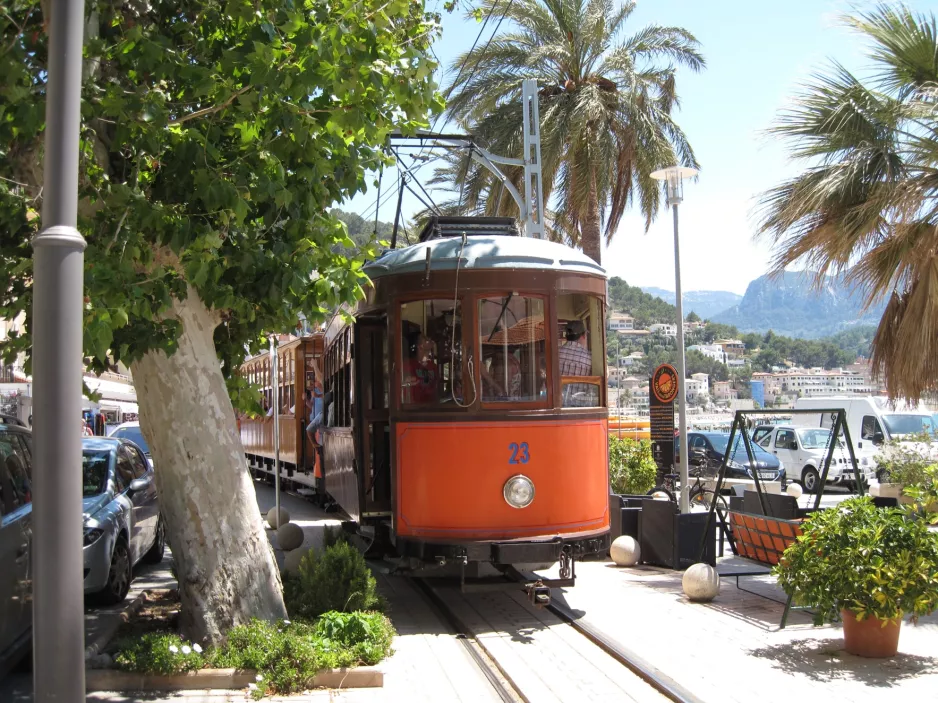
{"points": [[379, 203]]}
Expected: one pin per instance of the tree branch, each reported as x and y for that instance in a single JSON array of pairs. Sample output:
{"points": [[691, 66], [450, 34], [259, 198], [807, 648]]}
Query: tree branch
{"points": [[210, 110]]}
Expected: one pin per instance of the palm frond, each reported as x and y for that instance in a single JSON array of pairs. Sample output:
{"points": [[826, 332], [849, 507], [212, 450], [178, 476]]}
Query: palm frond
{"points": [[866, 204]]}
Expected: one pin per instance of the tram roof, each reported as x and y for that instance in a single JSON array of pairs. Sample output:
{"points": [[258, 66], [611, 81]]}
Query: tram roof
{"points": [[483, 252]]}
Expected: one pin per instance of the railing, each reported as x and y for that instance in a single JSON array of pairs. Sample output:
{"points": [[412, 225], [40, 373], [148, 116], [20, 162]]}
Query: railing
{"points": [[10, 374]]}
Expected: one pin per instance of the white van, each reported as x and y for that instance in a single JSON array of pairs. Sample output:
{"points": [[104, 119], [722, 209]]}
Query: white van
{"points": [[804, 449], [871, 421]]}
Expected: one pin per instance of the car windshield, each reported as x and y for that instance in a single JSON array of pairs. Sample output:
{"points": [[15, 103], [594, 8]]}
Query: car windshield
{"points": [[94, 466], [719, 443], [909, 424], [815, 439], [134, 435]]}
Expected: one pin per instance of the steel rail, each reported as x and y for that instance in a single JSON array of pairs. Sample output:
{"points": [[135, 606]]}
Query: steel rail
{"points": [[646, 671], [486, 663]]}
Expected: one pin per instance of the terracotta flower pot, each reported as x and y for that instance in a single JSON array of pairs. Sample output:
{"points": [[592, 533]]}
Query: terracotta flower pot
{"points": [[869, 637]]}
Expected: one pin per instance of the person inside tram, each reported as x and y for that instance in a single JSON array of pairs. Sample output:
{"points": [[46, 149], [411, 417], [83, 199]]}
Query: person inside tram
{"points": [[576, 360], [501, 376], [421, 369]]}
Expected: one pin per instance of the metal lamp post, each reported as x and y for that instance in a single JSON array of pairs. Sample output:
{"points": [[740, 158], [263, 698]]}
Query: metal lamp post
{"points": [[58, 265], [674, 190], [275, 403]]}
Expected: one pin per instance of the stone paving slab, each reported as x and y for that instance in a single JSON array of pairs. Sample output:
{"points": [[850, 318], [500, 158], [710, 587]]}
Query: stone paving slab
{"points": [[547, 659], [732, 649]]}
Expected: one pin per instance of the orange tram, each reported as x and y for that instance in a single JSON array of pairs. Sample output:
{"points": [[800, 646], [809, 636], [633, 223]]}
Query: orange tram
{"points": [[465, 415]]}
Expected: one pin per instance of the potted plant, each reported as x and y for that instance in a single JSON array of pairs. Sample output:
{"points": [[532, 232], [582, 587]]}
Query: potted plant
{"points": [[924, 494], [903, 464], [867, 566]]}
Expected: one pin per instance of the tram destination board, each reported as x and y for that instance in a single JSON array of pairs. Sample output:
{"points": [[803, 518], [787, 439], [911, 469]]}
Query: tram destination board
{"points": [[662, 422]]}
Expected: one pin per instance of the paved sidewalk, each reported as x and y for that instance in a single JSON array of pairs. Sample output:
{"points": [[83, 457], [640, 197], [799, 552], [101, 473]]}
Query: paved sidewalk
{"points": [[732, 650]]}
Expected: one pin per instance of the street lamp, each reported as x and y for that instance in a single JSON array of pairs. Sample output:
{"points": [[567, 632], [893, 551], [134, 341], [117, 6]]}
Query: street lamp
{"points": [[673, 178]]}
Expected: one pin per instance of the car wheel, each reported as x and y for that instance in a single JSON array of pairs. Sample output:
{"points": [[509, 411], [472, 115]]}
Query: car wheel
{"points": [[119, 574], [810, 479], [155, 555]]}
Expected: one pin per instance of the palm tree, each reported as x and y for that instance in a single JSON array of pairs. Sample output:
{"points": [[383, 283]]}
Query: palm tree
{"points": [[606, 106], [866, 205]]}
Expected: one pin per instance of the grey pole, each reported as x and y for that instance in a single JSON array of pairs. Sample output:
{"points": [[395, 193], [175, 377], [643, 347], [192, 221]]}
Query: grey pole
{"points": [[58, 266], [681, 395], [275, 402]]}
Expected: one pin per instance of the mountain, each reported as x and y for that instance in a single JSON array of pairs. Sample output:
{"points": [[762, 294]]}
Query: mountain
{"points": [[705, 303], [646, 309], [789, 305]]}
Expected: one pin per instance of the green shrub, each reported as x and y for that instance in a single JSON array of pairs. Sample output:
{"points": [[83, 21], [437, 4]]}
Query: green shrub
{"points": [[632, 469], [338, 579], [870, 561], [288, 654], [367, 636], [158, 653]]}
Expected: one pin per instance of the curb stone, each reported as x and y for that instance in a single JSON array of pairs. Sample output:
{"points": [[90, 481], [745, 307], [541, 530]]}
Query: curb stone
{"points": [[104, 637], [115, 680]]}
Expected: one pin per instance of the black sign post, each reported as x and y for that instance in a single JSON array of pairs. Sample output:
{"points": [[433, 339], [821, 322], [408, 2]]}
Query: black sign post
{"points": [[663, 388]]}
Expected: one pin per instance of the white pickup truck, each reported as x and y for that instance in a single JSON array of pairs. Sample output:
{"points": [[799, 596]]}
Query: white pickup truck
{"points": [[803, 450]]}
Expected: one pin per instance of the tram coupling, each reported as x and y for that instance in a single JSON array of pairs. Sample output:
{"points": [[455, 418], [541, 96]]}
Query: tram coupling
{"points": [[538, 594]]}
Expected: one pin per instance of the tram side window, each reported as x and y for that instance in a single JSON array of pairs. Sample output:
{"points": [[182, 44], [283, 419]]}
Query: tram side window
{"points": [[580, 354], [513, 344], [431, 352]]}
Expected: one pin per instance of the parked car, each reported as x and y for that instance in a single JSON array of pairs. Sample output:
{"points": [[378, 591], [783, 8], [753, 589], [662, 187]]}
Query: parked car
{"points": [[131, 431], [121, 522], [804, 449], [709, 448], [15, 529]]}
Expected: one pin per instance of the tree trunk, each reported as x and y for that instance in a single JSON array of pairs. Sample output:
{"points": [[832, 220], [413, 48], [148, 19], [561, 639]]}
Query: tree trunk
{"points": [[591, 229], [225, 565]]}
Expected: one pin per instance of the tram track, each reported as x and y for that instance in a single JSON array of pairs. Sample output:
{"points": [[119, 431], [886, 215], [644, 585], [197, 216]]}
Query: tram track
{"points": [[649, 673], [521, 668], [500, 682]]}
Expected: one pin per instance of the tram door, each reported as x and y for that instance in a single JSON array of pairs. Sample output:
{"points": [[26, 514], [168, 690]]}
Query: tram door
{"points": [[373, 373]]}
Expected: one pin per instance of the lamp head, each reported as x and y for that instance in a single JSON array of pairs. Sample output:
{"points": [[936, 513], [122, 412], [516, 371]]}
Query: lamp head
{"points": [[673, 178]]}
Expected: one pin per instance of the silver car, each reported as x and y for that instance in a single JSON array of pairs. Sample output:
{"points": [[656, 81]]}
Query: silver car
{"points": [[122, 523]]}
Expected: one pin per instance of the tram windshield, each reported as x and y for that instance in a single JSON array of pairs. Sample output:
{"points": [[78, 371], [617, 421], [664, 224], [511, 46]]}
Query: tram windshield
{"points": [[431, 351], [580, 354], [513, 343]]}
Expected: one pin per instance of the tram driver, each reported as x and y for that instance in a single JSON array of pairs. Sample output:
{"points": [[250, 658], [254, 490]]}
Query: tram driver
{"points": [[421, 371]]}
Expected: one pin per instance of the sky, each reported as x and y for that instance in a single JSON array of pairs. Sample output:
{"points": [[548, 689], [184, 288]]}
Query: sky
{"points": [[757, 54]]}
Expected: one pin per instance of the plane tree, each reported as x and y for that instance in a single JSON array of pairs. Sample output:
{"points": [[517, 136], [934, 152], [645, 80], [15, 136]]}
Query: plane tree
{"points": [[216, 136]]}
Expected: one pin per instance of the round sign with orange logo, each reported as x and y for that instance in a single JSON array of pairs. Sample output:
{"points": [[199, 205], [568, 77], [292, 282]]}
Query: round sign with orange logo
{"points": [[664, 383]]}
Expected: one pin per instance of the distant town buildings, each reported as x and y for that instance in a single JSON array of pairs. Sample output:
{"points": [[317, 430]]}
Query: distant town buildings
{"points": [[697, 384], [711, 351], [816, 382], [724, 391], [619, 322], [664, 329], [733, 348]]}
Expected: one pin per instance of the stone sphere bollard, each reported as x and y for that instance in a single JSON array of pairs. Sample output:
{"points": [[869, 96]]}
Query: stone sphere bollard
{"points": [[625, 551], [272, 517], [701, 583], [289, 536], [292, 559], [794, 490]]}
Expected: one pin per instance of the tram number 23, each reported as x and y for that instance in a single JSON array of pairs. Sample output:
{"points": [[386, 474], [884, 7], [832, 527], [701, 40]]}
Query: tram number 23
{"points": [[519, 453]]}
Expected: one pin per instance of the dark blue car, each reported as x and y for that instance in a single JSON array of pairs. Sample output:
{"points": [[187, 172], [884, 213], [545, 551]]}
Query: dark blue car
{"points": [[708, 449]]}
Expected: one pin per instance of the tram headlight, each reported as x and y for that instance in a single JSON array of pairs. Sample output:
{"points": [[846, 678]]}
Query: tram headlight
{"points": [[519, 491]]}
